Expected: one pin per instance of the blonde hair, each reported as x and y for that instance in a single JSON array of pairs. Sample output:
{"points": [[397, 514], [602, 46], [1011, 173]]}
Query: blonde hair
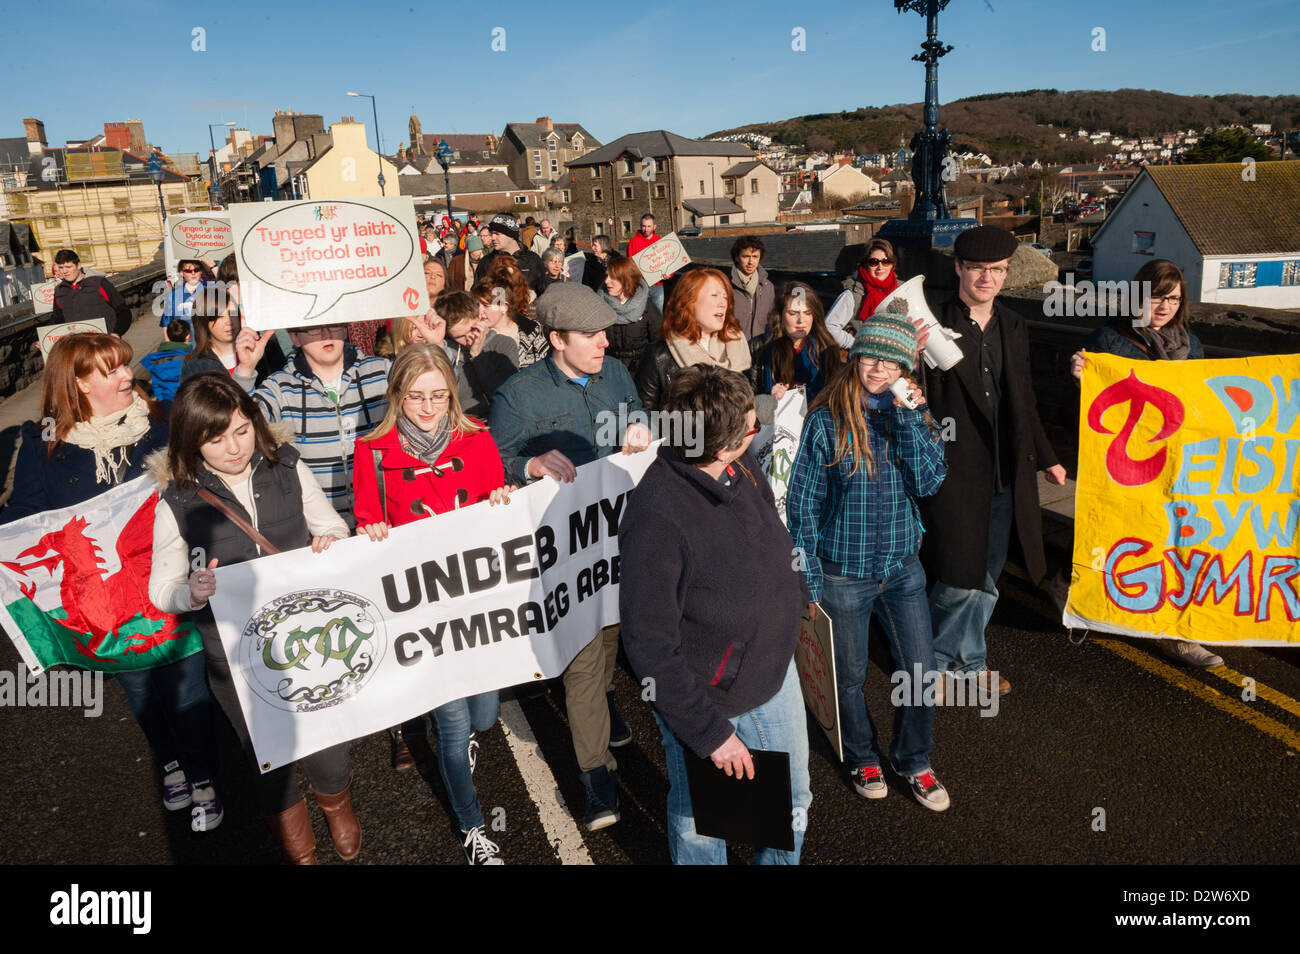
{"points": [[412, 361]]}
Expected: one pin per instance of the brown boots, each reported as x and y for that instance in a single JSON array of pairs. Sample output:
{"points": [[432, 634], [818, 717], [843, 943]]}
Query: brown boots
{"points": [[344, 829], [292, 828]]}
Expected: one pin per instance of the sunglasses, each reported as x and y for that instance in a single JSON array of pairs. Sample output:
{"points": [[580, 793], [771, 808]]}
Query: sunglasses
{"points": [[877, 262]]}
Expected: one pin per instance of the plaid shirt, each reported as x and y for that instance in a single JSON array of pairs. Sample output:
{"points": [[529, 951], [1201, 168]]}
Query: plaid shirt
{"points": [[866, 526]]}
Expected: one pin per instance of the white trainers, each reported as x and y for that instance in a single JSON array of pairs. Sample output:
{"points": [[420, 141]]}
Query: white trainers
{"points": [[177, 792], [1190, 654], [479, 849]]}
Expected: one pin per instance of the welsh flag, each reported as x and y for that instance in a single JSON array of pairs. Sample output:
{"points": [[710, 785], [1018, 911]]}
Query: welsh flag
{"points": [[74, 586]]}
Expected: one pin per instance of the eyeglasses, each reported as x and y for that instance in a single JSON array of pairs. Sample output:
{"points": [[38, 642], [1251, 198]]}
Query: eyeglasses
{"points": [[436, 398], [1174, 300], [997, 271], [191, 271], [877, 262], [324, 331], [883, 362], [752, 431]]}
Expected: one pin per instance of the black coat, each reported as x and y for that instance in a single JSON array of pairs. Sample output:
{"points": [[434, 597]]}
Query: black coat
{"points": [[955, 546], [656, 366], [593, 272], [92, 297]]}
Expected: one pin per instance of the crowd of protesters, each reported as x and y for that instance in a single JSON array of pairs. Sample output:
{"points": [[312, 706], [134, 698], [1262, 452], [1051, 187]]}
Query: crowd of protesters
{"points": [[265, 442]]}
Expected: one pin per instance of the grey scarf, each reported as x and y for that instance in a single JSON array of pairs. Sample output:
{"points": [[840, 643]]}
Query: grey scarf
{"points": [[1170, 343], [427, 447]]}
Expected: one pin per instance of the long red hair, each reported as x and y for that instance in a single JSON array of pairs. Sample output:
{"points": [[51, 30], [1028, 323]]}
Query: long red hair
{"points": [[73, 357], [679, 314]]}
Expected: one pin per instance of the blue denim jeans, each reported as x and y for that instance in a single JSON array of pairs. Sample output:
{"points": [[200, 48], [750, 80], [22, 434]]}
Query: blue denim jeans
{"points": [[777, 725], [960, 615], [657, 297], [174, 709], [900, 603], [455, 721]]}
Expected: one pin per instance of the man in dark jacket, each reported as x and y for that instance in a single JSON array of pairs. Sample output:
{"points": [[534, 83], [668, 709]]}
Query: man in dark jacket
{"points": [[548, 420], [82, 297], [987, 405], [505, 241], [752, 289], [710, 602]]}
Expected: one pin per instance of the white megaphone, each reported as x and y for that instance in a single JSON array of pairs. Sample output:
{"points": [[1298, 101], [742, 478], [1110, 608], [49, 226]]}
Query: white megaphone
{"points": [[909, 300]]}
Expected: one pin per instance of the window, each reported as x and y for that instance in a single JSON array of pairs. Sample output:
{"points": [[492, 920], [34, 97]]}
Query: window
{"points": [[49, 208], [724, 220], [550, 145], [123, 217], [660, 192], [597, 195], [629, 167], [627, 192], [661, 165], [595, 172], [753, 187], [1291, 273], [564, 196], [537, 170], [701, 187], [728, 186], [121, 203], [537, 155], [627, 226], [1144, 243], [521, 200], [1237, 275], [555, 166]]}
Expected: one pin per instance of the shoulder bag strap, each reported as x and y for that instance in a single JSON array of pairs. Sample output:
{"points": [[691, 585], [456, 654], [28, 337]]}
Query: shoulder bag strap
{"points": [[379, 478], [250, 530], [1128, 335]]}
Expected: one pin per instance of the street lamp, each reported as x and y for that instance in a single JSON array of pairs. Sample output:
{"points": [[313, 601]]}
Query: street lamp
{"points": [[379, 149], [212, 164], [714, 184], [444, 160], [156, 174]]}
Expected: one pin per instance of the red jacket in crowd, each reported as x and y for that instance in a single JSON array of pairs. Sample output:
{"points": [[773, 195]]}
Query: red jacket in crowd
{"points": [[470, 468]]}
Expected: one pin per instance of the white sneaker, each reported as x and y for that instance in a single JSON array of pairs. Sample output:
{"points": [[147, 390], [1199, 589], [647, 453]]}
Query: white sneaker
{"points": [[1190, 654], [479, 849], [177, 791]]}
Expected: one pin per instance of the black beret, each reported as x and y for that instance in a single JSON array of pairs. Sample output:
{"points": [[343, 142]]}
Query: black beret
{"points": [[985, 244]]}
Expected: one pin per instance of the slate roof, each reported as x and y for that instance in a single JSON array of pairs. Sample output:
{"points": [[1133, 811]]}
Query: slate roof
{"points": [[13, 152], [462, 183], [459, 142], [722, 206], [659, 143], [135, 167], [533, 135], [1225, 215], [740, 168]]}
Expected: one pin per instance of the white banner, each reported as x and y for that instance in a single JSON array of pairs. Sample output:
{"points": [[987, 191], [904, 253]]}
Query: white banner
{"points": [[367, 635], [203, 235], [47, 336], [324, 261], [663, 257], [777, 443]]}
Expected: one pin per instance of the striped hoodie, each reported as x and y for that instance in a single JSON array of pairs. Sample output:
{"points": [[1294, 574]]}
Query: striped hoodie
{"points": [[323, 432]]}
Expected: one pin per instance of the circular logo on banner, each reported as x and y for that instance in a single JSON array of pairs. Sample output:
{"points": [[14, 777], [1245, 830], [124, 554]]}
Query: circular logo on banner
{"points": [[312, 649]]}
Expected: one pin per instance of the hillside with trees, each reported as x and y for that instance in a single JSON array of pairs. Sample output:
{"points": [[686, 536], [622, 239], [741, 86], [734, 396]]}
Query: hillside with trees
{"points": [[1024, 125]]}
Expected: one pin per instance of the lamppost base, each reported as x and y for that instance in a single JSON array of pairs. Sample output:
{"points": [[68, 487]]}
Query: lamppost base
{"points": [[924, 233]]}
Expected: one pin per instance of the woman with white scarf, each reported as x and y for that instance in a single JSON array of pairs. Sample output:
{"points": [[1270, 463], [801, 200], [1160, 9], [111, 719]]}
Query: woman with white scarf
{"points": [[97, 430], [699, 327]]}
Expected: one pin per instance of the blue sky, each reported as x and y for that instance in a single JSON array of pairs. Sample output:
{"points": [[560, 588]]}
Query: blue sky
{"points": [[615, 67]]}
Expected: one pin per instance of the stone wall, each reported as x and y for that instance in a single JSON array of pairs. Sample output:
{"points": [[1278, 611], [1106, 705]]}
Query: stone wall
{"points": [[20, 360]]}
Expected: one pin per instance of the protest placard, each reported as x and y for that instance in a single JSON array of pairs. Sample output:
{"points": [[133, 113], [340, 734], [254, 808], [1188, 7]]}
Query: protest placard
{"points": [[315, 262], [43, 296], [814, 658], [48, 335], [203, 236], [777, 443], [1186, 505], [329, 647], [661, 258]]}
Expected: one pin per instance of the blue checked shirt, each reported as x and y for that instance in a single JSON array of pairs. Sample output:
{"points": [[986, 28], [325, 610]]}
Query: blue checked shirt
{"points": [[868, 526]]}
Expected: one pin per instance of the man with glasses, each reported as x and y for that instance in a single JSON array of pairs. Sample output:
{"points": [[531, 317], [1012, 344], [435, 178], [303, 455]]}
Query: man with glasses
{"points": [[328, 393], [995, 448], [83, 297]]}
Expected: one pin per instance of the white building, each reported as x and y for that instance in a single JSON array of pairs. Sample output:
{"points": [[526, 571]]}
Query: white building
{"points": [[1234, 231]]}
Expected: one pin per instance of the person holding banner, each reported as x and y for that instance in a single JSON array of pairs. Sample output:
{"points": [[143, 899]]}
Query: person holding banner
{"points": [[711, 606], [699, 327], [547, 422], [427, 457], [233, 492], [103, 429], [864, 459], [1161, 334], [195, 276], [797, 350]]}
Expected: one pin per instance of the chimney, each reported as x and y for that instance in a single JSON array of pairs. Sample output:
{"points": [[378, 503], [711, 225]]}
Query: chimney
{"points": [[35, 136], [546, 121]]}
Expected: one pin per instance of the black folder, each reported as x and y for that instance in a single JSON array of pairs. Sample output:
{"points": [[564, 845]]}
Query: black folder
{"points": [[757, 811]]}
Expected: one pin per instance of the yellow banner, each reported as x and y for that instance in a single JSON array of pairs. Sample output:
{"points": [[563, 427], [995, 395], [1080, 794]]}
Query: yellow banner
{"points": [[1186, 506]]}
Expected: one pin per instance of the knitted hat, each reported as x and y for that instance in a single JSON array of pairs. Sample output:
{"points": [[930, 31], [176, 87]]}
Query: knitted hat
{"points": [[473, 243], [570, 306], [506, 225], [985, 243], [889, 336]]}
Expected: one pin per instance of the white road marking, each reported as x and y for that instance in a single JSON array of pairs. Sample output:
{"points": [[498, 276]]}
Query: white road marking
{"points": [[561, 829]]}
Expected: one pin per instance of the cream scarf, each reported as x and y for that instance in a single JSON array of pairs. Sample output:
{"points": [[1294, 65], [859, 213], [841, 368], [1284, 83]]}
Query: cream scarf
{"points": [[110, 432], [732, 355]]}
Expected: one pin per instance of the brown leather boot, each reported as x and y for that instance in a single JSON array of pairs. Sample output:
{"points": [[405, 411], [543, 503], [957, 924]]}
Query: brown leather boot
{"points": [[344, 828], [292, 828]]}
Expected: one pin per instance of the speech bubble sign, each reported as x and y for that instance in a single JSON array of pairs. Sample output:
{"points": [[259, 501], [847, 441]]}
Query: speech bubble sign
{"points": [[43, 296], [201, 236], [664, 257], [327, 261], [48, 335]]}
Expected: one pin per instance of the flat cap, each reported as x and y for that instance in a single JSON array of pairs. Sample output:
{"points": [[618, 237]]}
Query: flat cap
{"points": [[570, 306], [986, 243]]}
